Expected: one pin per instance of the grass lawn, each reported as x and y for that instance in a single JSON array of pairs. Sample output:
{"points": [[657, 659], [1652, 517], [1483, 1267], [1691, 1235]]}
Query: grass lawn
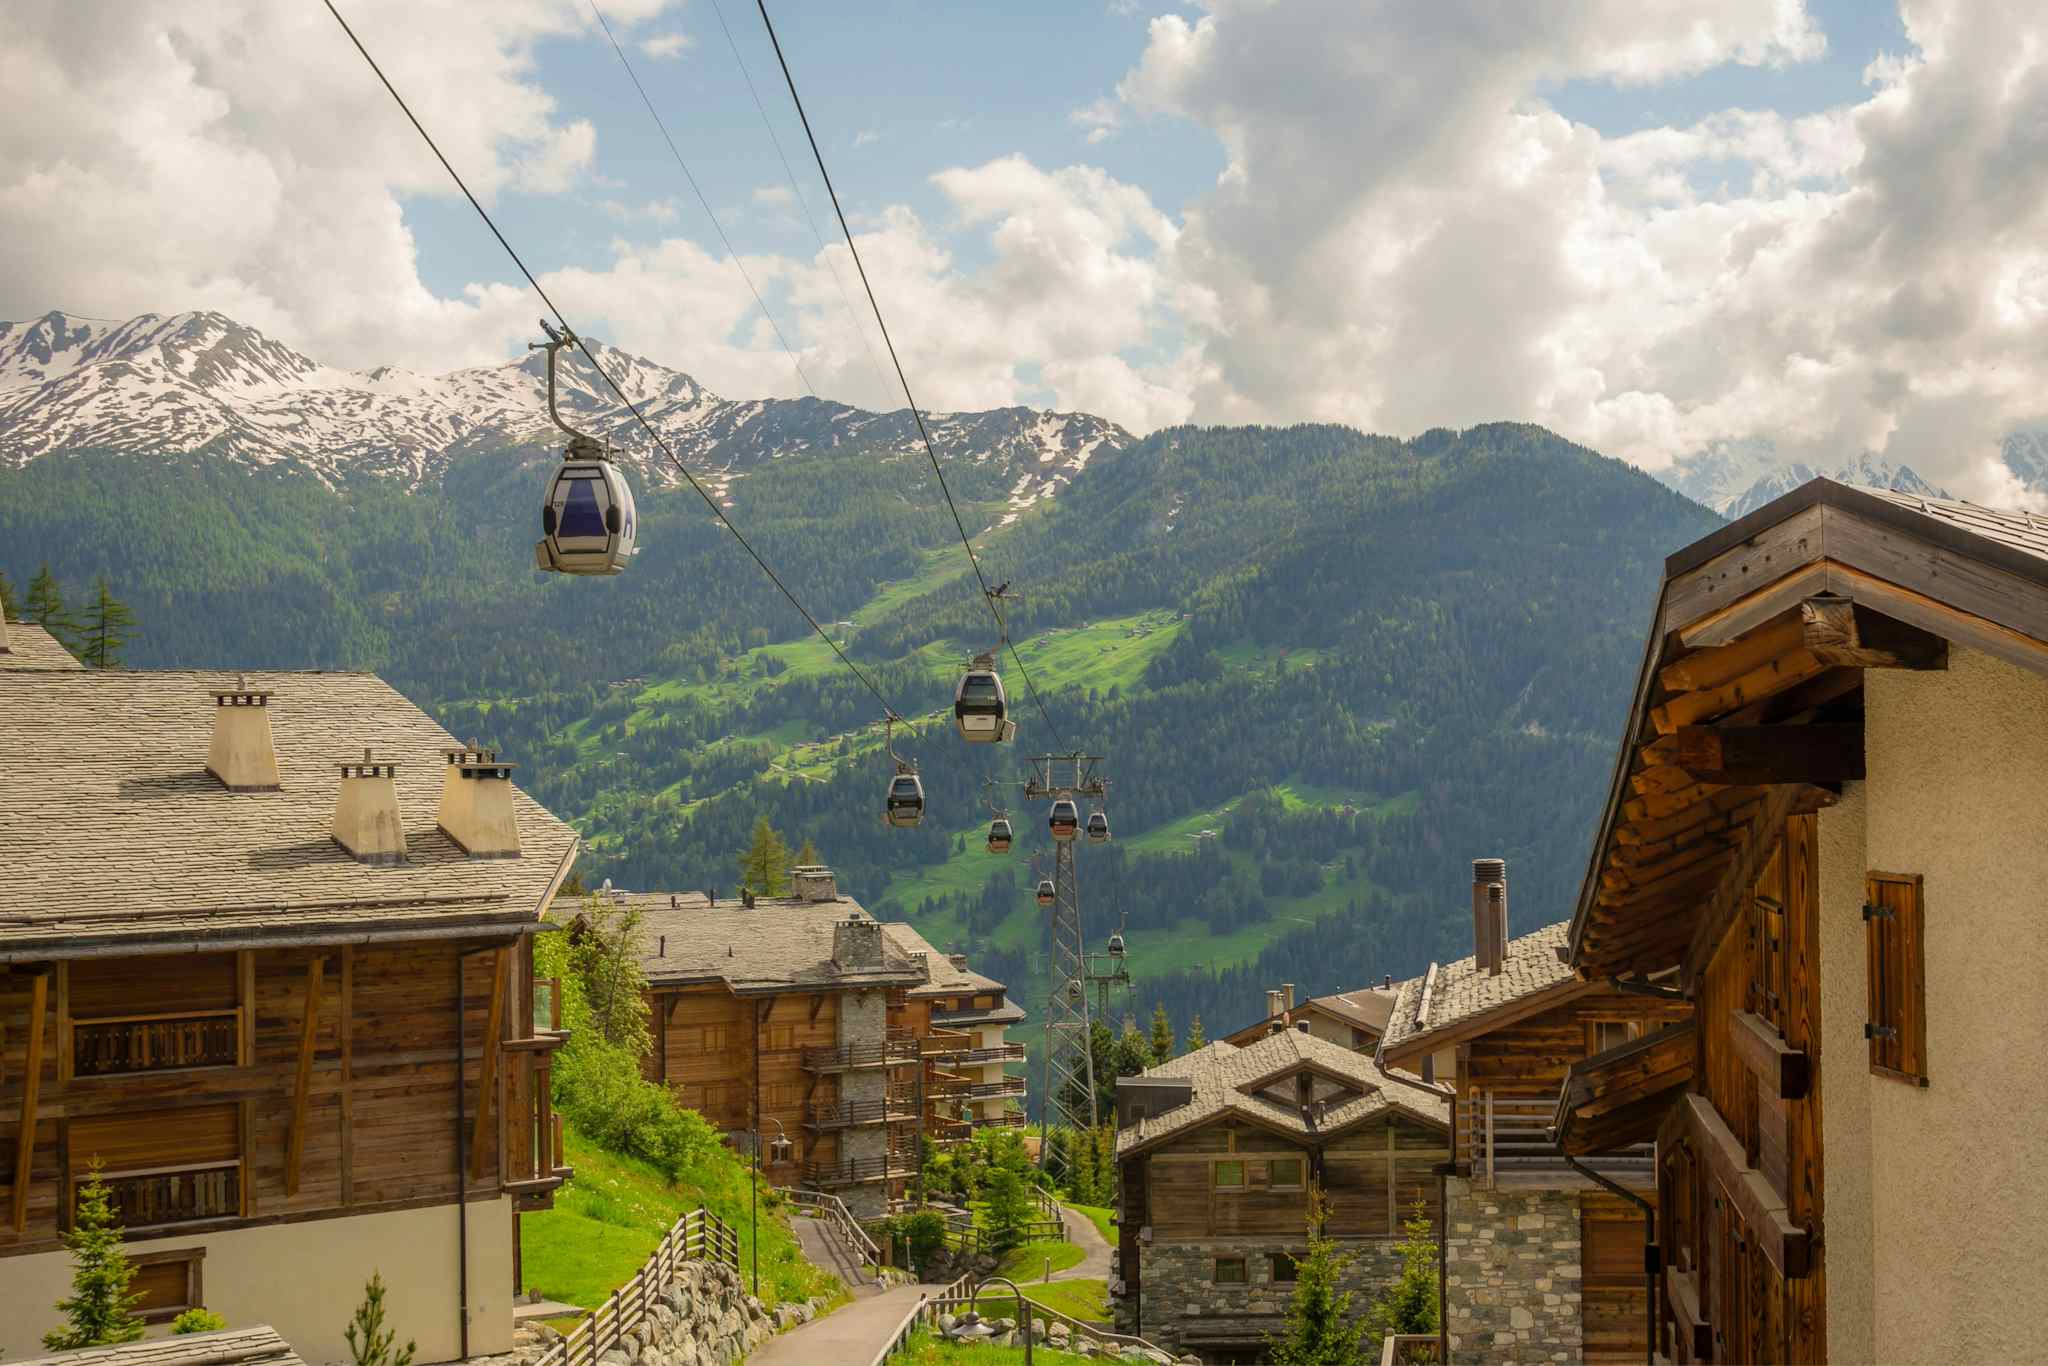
{"points": [[1098, 1215], [926, 1350], [1088, 1300], [1030, 1259], [607, 1221]]}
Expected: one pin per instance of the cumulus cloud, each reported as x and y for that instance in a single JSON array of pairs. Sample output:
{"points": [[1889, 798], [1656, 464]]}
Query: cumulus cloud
{"points": [[667, 46]]}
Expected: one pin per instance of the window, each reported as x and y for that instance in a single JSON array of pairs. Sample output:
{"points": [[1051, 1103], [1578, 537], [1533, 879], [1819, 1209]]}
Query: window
{"points": [[123, 1018], [1284, 1173], [1227, 1176], [167, 1283], [1282, 1264], [1612, 1034], [1894, 925], [1230, 1271]]}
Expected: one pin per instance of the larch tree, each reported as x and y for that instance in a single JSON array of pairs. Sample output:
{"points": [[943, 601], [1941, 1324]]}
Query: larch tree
{"points": [[806, 857], [9, 608], [44, 605], [764, 867], [1195, 1039], [1162, 1034], [107, 627]]}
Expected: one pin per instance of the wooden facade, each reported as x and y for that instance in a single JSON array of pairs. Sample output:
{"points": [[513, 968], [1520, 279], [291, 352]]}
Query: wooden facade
{"points": [[270, 1085]]}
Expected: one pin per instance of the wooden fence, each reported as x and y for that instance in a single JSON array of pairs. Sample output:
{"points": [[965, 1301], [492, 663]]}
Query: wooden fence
{"points": [[698, 1235]]}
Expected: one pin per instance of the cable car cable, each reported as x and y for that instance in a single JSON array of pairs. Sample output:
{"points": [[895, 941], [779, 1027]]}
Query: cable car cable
{"points": [[931, 452], [697, 190], [584, 347]]}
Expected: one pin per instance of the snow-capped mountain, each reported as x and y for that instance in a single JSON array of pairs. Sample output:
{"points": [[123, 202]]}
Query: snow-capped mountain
{"points": [[1738, 477], [203, 382]]}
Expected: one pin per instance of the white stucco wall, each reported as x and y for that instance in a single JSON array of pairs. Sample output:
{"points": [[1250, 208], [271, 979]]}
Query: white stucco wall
{"points": [[306, 1279], [1956, 790], [1845, 1079]]}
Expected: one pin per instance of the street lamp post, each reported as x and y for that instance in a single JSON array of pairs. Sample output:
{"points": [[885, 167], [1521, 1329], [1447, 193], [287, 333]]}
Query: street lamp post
{"points": [[973, 1326], [781, 1148]]}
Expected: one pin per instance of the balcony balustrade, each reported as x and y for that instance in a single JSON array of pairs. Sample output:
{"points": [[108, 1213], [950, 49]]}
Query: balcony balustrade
{"points": [[176, 1195], [848, 1057], [155, 1043], [847, 1114], [1504, 1140]]}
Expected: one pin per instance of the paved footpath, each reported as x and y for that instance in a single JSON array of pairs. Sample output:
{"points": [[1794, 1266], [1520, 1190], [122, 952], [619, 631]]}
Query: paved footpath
{"points": [[1081, 1231], [848, 1336]]}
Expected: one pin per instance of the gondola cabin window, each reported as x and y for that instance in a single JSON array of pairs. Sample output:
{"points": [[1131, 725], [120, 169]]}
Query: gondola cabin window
{"points": [[1894, 925]]}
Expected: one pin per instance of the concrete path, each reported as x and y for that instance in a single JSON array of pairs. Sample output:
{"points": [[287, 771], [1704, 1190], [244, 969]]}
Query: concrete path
{"points": [[820, 1248], [848, 1336], [1094, 1263]]}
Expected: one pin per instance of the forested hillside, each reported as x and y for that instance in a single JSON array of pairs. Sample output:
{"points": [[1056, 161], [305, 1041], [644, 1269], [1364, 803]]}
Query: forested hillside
{"points": [[1355, 662]]}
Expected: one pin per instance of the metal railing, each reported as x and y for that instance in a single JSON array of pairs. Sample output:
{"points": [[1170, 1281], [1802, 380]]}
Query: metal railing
{"points": [[844, 1114], [1505, 1136], [698, 1235], [156, 1043], [176, 1195], [832, 1211], [900, 1339], [891, 1053]]}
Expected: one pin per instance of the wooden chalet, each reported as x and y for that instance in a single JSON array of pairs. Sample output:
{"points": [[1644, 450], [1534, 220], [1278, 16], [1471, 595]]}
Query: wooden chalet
{"points": [[1542, 1258], [264, 963], [1822, 830], [1349, 1019], [804, 1019], [1217, 1151]]}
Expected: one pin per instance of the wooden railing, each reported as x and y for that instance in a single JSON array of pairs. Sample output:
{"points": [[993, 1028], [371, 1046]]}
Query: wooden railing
{"points": [[156, 1043], [1504, 1136], [842, 1114], [853, 1171], [1008, 1119], [899, 1340], [832, 1211], [698, 1235], [849, 1055], [958, 1296], [946, 1042], [176, 1195], [992, 1090], [1397, 1348], [966, 1238]]}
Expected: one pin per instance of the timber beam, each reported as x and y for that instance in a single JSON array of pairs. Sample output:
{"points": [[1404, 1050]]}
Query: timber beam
{"points": [[1832, 628], [1756, 756], [302, 1087], [487, 1071], [1786, 1245], [31, 1083]]}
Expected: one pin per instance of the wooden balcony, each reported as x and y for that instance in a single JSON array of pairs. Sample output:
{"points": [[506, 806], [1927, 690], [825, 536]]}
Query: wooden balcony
{"points": [[1504, 1139], [1009, 1119], [993, 1090], [860, 1170], [850, 1114], [944, 1043], [155, 1043], [856, 1056], [177, 1195]]}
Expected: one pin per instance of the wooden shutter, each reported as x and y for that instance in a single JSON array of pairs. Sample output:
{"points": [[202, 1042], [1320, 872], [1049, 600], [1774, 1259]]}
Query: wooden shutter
{"points": [[1894, 923]]}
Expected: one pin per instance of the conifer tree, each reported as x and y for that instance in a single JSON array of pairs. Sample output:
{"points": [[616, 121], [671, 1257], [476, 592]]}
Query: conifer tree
{"points": [[106, 629], [1409, 1304], [1162, 1034], [368, 1339], [765, 865], [9, 608], [1010, 1208], [1195, 1039], [1320, 1331], [100, 1309], [604, 954], [44, 605], [807, 857]]}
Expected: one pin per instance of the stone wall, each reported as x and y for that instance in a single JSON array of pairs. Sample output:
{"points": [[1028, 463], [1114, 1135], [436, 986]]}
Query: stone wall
{"points": [[1511, 1274], [702, 1317], [864, 1021], [1179, 1292]]}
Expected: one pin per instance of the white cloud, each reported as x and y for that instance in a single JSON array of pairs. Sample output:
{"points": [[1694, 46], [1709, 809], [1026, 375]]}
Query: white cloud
{"points": [[667, 46], [866, 136], [645, 211], [1100, 117], [774, 196]]}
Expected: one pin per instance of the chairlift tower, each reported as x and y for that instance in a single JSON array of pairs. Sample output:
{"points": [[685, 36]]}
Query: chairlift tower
{"points": [[1107, 971], [1069, 1056]]}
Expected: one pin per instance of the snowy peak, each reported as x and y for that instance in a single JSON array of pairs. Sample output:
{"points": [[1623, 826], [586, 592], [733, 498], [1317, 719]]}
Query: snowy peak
{"points": [[1735, 478], [186, 382]]}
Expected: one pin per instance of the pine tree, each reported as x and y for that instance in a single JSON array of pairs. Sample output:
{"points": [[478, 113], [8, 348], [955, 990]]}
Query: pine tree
{"points": [[807, 857], [1409, 1304], [10, 610], [99, 1311], [368, 1340], [107, 628], [1162, 1034], [1319, 1327], [44, 605], [1010, 1208], [765, 865], [1195, 1039]]}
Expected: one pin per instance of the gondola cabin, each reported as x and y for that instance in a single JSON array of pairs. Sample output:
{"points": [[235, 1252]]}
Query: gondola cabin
{"points": [[980, 708], [587, 520], [999, 836], [1065, 820], [1098, 828], [1116, 946], [906, 801], [1045, 892]]}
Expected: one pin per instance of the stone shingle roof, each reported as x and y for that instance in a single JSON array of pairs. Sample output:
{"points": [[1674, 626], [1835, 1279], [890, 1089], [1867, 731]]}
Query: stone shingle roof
{"points": [[947, 980], [1221, 1072], [1454, 997], [29, 646], [258, 1346], [1366, 1008], [116, 837], [779, 944]]}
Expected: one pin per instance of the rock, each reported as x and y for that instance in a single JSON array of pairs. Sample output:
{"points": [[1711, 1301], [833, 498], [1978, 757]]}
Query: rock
{"points": [[947, 1323]]}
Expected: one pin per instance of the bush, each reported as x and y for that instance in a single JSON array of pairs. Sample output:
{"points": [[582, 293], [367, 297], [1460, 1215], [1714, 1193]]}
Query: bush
{"points": [[599, 1089], [200, 1320], [100, 1310]]}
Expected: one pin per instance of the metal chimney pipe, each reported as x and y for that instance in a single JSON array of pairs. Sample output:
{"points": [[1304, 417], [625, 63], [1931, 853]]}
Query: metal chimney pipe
{"points": [[1487, 947]]}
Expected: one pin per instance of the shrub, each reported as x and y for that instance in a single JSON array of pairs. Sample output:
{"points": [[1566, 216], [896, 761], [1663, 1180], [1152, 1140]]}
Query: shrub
{"points": [[368, 1340], [201, 1320]]}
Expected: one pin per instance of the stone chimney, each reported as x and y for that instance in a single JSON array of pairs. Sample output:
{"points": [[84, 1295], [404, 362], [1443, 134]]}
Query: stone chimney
{"points": [[814, 882], [366, 812], [857, 944], [1273, 1008], [958, 960], [242, 755], [1287, 996], [1301, 1026], [1489, 914], [476, 804]]}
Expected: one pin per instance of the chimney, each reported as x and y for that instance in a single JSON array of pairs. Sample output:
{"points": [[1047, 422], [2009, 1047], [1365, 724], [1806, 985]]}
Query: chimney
{"points": [[1287, 996], [366, 813], [1276, 1026], [814, 882], [242, 755], [4, 649], [958, 960], [1301, 1026], [746, 896], [476, 804], [662, 952], [857, 943], [1388, 984], [1489, 914]]}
